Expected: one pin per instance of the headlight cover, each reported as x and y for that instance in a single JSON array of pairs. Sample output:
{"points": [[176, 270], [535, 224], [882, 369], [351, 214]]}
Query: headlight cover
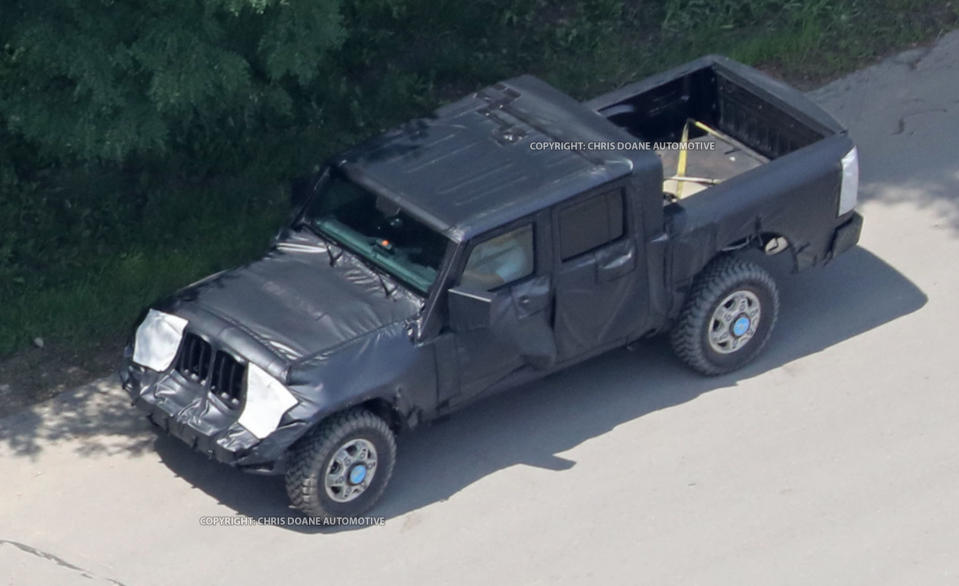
{"points": [[157, 340], [849, 192], [267, 399]]}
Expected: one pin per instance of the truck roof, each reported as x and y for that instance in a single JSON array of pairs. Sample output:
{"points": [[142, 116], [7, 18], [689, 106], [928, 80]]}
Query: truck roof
{"points": [[476, 164]]}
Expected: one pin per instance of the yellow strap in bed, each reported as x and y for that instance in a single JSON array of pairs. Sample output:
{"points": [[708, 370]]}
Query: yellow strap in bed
{"points": [[711, 131], [681, 166]]}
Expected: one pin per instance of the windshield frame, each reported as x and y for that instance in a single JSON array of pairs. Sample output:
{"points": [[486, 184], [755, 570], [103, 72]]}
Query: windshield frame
{"points": [[378, 261]]}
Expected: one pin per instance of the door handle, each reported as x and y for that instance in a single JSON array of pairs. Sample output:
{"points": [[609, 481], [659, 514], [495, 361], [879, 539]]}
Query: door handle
{"points": [[618, 266]]}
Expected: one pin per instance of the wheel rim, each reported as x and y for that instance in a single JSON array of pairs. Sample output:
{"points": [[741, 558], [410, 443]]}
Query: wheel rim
{"points": [[351, 470], [734, 322]]}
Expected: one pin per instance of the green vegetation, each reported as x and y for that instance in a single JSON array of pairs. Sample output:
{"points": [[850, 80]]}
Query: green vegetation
{"points": [[144, 145]]}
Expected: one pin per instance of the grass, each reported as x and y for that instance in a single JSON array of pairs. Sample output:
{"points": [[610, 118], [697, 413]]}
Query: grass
{"points": [[92, 274], [807, 43], [103, 299], [99, 296]]}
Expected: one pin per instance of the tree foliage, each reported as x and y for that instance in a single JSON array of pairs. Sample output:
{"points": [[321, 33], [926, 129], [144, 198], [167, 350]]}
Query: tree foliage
{"points": [[104, 79]]}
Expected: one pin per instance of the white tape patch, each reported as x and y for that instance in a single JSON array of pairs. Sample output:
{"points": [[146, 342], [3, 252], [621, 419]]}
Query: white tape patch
{"points": [[157, 340], [266, 402]]}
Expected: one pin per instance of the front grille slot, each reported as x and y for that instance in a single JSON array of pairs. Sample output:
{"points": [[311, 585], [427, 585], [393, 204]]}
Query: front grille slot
{"points": [[227, 381], [194, 359], [199, 362]]}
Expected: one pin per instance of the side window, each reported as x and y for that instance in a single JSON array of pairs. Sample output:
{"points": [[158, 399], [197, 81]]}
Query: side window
{"points": [[501, 259], [590, 223]]}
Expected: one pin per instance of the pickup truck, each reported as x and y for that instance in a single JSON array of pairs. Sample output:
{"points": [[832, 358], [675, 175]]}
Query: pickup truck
{"points": [[511, 234]]}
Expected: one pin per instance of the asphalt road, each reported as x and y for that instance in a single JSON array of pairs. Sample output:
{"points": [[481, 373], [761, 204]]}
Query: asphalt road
{"points": [[834, 459]]}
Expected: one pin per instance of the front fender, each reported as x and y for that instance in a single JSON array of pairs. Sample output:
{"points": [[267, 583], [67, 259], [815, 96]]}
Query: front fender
{"points": [[384, 365]]}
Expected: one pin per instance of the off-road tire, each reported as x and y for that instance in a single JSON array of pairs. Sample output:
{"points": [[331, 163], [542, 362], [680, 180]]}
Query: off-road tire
{"points": [[721, 278], [311, 456]]}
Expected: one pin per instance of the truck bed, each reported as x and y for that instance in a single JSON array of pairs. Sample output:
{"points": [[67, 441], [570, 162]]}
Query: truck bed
{"points": [[714, 163], [735, 118]]}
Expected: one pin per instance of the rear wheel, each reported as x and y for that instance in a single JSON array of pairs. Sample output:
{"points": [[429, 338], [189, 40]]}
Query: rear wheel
{"points": [[343, 466], [728, 316]]}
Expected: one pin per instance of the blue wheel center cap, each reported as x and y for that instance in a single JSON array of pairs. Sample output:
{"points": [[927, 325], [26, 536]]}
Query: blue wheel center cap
{"points": [[357, 474], [741, 325]]}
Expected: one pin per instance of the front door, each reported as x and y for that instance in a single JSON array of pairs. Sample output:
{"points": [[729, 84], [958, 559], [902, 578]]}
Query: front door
{"points": [[504, 271]]}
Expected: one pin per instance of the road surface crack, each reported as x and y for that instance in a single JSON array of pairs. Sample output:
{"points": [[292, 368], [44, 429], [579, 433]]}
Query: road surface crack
{"points": [[901, 126], [56, 560]]}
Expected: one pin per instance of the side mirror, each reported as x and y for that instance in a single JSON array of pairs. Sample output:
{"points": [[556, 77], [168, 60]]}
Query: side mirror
{"points": [[469, 309]]}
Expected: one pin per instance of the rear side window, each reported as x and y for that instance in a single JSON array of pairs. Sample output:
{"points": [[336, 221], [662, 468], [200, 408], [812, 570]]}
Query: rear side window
{"points": [[590, 223]]}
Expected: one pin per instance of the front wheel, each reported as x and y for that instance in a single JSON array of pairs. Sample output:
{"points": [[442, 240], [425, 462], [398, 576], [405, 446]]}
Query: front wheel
{"points": [[343, 466], [728, 316]]}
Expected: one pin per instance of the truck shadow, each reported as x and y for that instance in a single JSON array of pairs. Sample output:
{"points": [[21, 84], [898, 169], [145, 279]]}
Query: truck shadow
{"points": [[530, 425]]}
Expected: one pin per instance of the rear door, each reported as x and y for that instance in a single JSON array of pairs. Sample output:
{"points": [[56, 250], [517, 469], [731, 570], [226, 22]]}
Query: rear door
{"points": [[598, 272]]}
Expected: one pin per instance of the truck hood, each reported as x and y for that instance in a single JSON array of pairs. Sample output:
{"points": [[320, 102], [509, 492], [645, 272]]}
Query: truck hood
{"points": [[294, 302]]}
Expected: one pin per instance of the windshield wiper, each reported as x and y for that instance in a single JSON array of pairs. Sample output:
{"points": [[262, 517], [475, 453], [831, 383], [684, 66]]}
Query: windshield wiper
{"points": [[385, 284], [329, 253], [375, 248], [379, 274], [330, 242]]}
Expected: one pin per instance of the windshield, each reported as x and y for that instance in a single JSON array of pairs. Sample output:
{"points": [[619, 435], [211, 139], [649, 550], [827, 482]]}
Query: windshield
{"points": [[377, 230]]}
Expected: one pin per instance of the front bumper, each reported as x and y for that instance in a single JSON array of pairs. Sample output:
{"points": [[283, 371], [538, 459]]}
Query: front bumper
{"points": [[188, 411]]}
